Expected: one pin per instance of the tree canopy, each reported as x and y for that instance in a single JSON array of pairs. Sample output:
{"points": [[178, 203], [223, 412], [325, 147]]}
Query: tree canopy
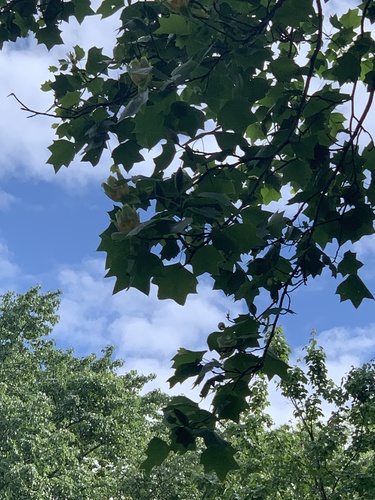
{"points": [[326, 452], [70, 427], [76, 428], [241, 104]]}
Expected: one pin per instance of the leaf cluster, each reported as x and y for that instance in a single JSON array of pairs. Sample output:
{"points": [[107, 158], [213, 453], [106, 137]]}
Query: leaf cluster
{"points": [[19, 18], [244, 104], [70, 427]]}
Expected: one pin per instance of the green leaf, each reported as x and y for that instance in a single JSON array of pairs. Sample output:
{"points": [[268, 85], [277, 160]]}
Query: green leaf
{"points": [[185, 356], [236, 115], [347, 68], [157, 451], [273, 365], [240, 364], [144, 268], [71, 98], [127, 154], [218, 459], [230, 140], [206, 260], [229, 406], [170, 250], [243, 237], [353, 289], [270, 194], [349, 264], [184, 118], [175, 282], [294, 12], [79, 52], [352, 19], [183, 372], [175, 24], [63, 153], [109, 7], [181, 73], [284, 69], [50, 36], [182, 438], [82, 9], [165, 158], [96, 61], [221, 198], [149, 129]]}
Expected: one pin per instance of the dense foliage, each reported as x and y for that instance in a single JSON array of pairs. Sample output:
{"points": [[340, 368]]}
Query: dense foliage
{"points": [[241, 104], [70, 427], [75, 428], [326, 452], [20, 17]]}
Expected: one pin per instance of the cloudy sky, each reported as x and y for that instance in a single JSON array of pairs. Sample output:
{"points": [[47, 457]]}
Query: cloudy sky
{"points": [[49, 234]]}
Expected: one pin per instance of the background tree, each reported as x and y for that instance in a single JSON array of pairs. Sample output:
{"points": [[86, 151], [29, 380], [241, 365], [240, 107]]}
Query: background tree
{"points": [[70, 427], [326, 452], [74, 428], [249, 101]]}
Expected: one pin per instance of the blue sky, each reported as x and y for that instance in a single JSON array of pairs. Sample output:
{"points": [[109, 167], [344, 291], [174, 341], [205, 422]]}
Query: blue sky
{"points": [[49, 232]]}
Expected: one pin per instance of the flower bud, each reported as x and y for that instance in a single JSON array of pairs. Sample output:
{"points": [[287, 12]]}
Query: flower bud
{"points": [[126, 219], [114, 188], [140, 72], [177, 5]]}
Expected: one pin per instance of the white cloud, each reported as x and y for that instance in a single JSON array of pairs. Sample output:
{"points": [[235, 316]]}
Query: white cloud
{"points": [[341, 341], [8, 268], [11, 274], [146, 332], [24, 141], [280, 409], [366, 246], [6, 200], [161, 327], [346, 347]]}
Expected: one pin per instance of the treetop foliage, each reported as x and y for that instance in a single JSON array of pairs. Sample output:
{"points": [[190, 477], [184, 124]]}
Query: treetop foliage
{"points": [[70, 426], [327, 452], [76, 428], [246, 103]]}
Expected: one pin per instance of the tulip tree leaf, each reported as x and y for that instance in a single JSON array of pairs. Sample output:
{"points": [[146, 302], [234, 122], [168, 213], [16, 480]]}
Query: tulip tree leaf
{"points": [[219, 459], [157, 451], [353, 289], [175, 282], [63, 153]]}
